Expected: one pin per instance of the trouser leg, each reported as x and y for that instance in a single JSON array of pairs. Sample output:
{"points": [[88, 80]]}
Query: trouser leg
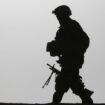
{"points": [[60, 88], [57, 97], [83, 93], [86, 96]]}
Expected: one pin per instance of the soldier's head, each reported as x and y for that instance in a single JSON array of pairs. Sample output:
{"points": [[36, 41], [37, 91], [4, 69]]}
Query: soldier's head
{"points": [[63, 11]]}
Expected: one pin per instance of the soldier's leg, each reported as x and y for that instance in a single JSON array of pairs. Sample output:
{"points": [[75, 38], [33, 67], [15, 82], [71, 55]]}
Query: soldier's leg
{"points": [[57, 97], [84, 94], [60, 88]]}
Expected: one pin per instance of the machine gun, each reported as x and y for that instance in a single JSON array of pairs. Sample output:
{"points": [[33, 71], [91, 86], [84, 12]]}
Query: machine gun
{"points": [[54, 70]]}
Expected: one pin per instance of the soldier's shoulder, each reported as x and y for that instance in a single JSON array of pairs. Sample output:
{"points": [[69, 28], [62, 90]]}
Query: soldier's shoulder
{"points": [[76, 23]]}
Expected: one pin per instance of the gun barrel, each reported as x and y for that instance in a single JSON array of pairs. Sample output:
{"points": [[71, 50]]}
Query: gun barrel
{"points": [[54, 69], [49, 65]]}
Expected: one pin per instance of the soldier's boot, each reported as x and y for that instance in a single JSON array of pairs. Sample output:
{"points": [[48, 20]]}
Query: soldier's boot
{"points": [[86, 97], [57, 97], [88, 92], [86, 100]]}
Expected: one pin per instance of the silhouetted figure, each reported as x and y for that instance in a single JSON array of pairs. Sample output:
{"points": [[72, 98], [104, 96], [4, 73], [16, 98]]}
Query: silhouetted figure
{"points": [[69, 45]]}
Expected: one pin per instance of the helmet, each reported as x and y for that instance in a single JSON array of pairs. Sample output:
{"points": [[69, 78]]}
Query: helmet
{"points": [[62, 10]]}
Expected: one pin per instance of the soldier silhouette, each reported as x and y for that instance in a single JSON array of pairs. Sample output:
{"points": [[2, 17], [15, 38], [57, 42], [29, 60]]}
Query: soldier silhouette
{"points": [[70, 45]]}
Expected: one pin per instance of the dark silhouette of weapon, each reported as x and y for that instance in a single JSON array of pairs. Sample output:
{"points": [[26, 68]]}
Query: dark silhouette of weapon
{"points": [[54, 70]]}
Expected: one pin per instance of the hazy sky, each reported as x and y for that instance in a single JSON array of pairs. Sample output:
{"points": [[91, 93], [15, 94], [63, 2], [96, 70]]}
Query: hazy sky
{"points": [[25, 28]]}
